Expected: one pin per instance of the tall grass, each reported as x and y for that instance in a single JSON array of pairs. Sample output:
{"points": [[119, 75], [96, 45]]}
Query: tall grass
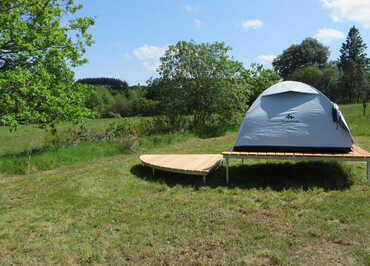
{"points": [[51, 158], [359, 124], [25, 151]]}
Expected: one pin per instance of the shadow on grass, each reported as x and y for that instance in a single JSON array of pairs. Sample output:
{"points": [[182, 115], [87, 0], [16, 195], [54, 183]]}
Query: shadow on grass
{"points": [[275, 175]]}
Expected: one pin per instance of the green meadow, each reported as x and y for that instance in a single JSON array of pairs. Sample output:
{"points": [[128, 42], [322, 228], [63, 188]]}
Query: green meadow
{"points": [[94, 203]]}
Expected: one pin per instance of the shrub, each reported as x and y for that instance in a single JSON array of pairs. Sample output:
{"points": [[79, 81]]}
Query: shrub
{"points": [[166, 124], [129, 142], [72, 137]]}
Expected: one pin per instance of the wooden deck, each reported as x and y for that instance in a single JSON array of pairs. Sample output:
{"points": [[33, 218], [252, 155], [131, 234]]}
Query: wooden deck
{"points": [[202, 164], [357, 154], [192, 164]]}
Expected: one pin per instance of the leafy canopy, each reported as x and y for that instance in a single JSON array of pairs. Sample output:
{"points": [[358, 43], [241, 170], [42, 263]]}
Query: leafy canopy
{"points": [[38, 45], [114, 85], [309, 52], [324, 79], [201, 80], [257, 79]]}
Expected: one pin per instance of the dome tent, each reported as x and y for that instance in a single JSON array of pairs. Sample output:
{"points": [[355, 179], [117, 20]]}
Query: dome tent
{"points": [[293, 116]]}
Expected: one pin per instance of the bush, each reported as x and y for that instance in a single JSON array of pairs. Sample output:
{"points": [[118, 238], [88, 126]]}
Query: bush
{"points": [[129, 142], [121, 106], [100, 100], [213, 127], [167, 124], [72, 137]]}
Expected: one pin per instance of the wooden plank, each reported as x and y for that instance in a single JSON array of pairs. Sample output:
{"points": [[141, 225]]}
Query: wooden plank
{"points": [[361, 151], [356, 153], [183, 163]]}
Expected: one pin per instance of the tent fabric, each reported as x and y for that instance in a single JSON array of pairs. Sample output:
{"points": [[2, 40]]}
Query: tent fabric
{"points": [[293, 116], [289, 86]]}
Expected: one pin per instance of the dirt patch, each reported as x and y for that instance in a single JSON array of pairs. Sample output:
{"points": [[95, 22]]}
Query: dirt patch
{"points": [[323, 253]]}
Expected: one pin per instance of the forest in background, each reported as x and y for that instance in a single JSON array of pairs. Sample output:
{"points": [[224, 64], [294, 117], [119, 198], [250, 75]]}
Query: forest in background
{"points": [[345, 80]]}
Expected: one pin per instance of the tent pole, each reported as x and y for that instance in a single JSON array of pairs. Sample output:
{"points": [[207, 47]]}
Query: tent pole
{"points": [[204, 179], [227, 170], [368, 171]]}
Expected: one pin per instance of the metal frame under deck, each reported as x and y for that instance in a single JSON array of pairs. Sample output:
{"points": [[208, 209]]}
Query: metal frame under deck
{"points": [[358, 154]]}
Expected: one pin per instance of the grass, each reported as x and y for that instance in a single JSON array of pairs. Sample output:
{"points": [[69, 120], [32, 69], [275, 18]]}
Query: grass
{"points": [[30, 137], [51, 158], [359, 124], [112, 210]]}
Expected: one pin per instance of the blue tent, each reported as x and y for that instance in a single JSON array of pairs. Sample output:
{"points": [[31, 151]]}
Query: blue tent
{"points": [[293, 116]]}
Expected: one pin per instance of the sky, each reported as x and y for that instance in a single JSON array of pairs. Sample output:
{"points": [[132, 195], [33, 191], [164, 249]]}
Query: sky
{"points": [[131, 35]]}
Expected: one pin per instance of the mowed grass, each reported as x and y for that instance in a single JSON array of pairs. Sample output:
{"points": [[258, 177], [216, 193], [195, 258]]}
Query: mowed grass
{"points": [[114, 211]]}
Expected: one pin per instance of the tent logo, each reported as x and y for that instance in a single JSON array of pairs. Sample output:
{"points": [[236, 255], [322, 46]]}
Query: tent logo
{"points": [[290, 116]]}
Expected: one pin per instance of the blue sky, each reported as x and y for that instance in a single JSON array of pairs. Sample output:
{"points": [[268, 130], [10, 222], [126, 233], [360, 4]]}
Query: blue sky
{"points": [[130, 36]]}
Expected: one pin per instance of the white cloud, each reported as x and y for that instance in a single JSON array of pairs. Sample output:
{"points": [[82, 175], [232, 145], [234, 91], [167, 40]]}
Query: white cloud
{"points": [[252, 23], [151, 66], [150, 56], [190, 8], [197, 23], [353, 10], [147, 52], [328, 35], [266, 59]]}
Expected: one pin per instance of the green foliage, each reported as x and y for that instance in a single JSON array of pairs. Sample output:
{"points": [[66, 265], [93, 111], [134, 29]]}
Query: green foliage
{"points": [[123, 127], [203, 81], [257, 79], [114, 85], [100, 100], [129, 142], [134, 104], [325, 79], [354, 64], [308, 52], [121, 105], [73, 136], [37, 46]]}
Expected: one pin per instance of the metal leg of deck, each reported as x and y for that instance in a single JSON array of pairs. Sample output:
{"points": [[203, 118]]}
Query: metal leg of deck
{"points": [[227, 171]]}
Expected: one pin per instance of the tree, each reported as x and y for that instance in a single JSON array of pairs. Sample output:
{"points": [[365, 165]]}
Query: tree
{"points": [[353, 63], [203, 81], [100, 101], [114, 85], [257, 79], [309, 52], [325, 79], [37, 48]]}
